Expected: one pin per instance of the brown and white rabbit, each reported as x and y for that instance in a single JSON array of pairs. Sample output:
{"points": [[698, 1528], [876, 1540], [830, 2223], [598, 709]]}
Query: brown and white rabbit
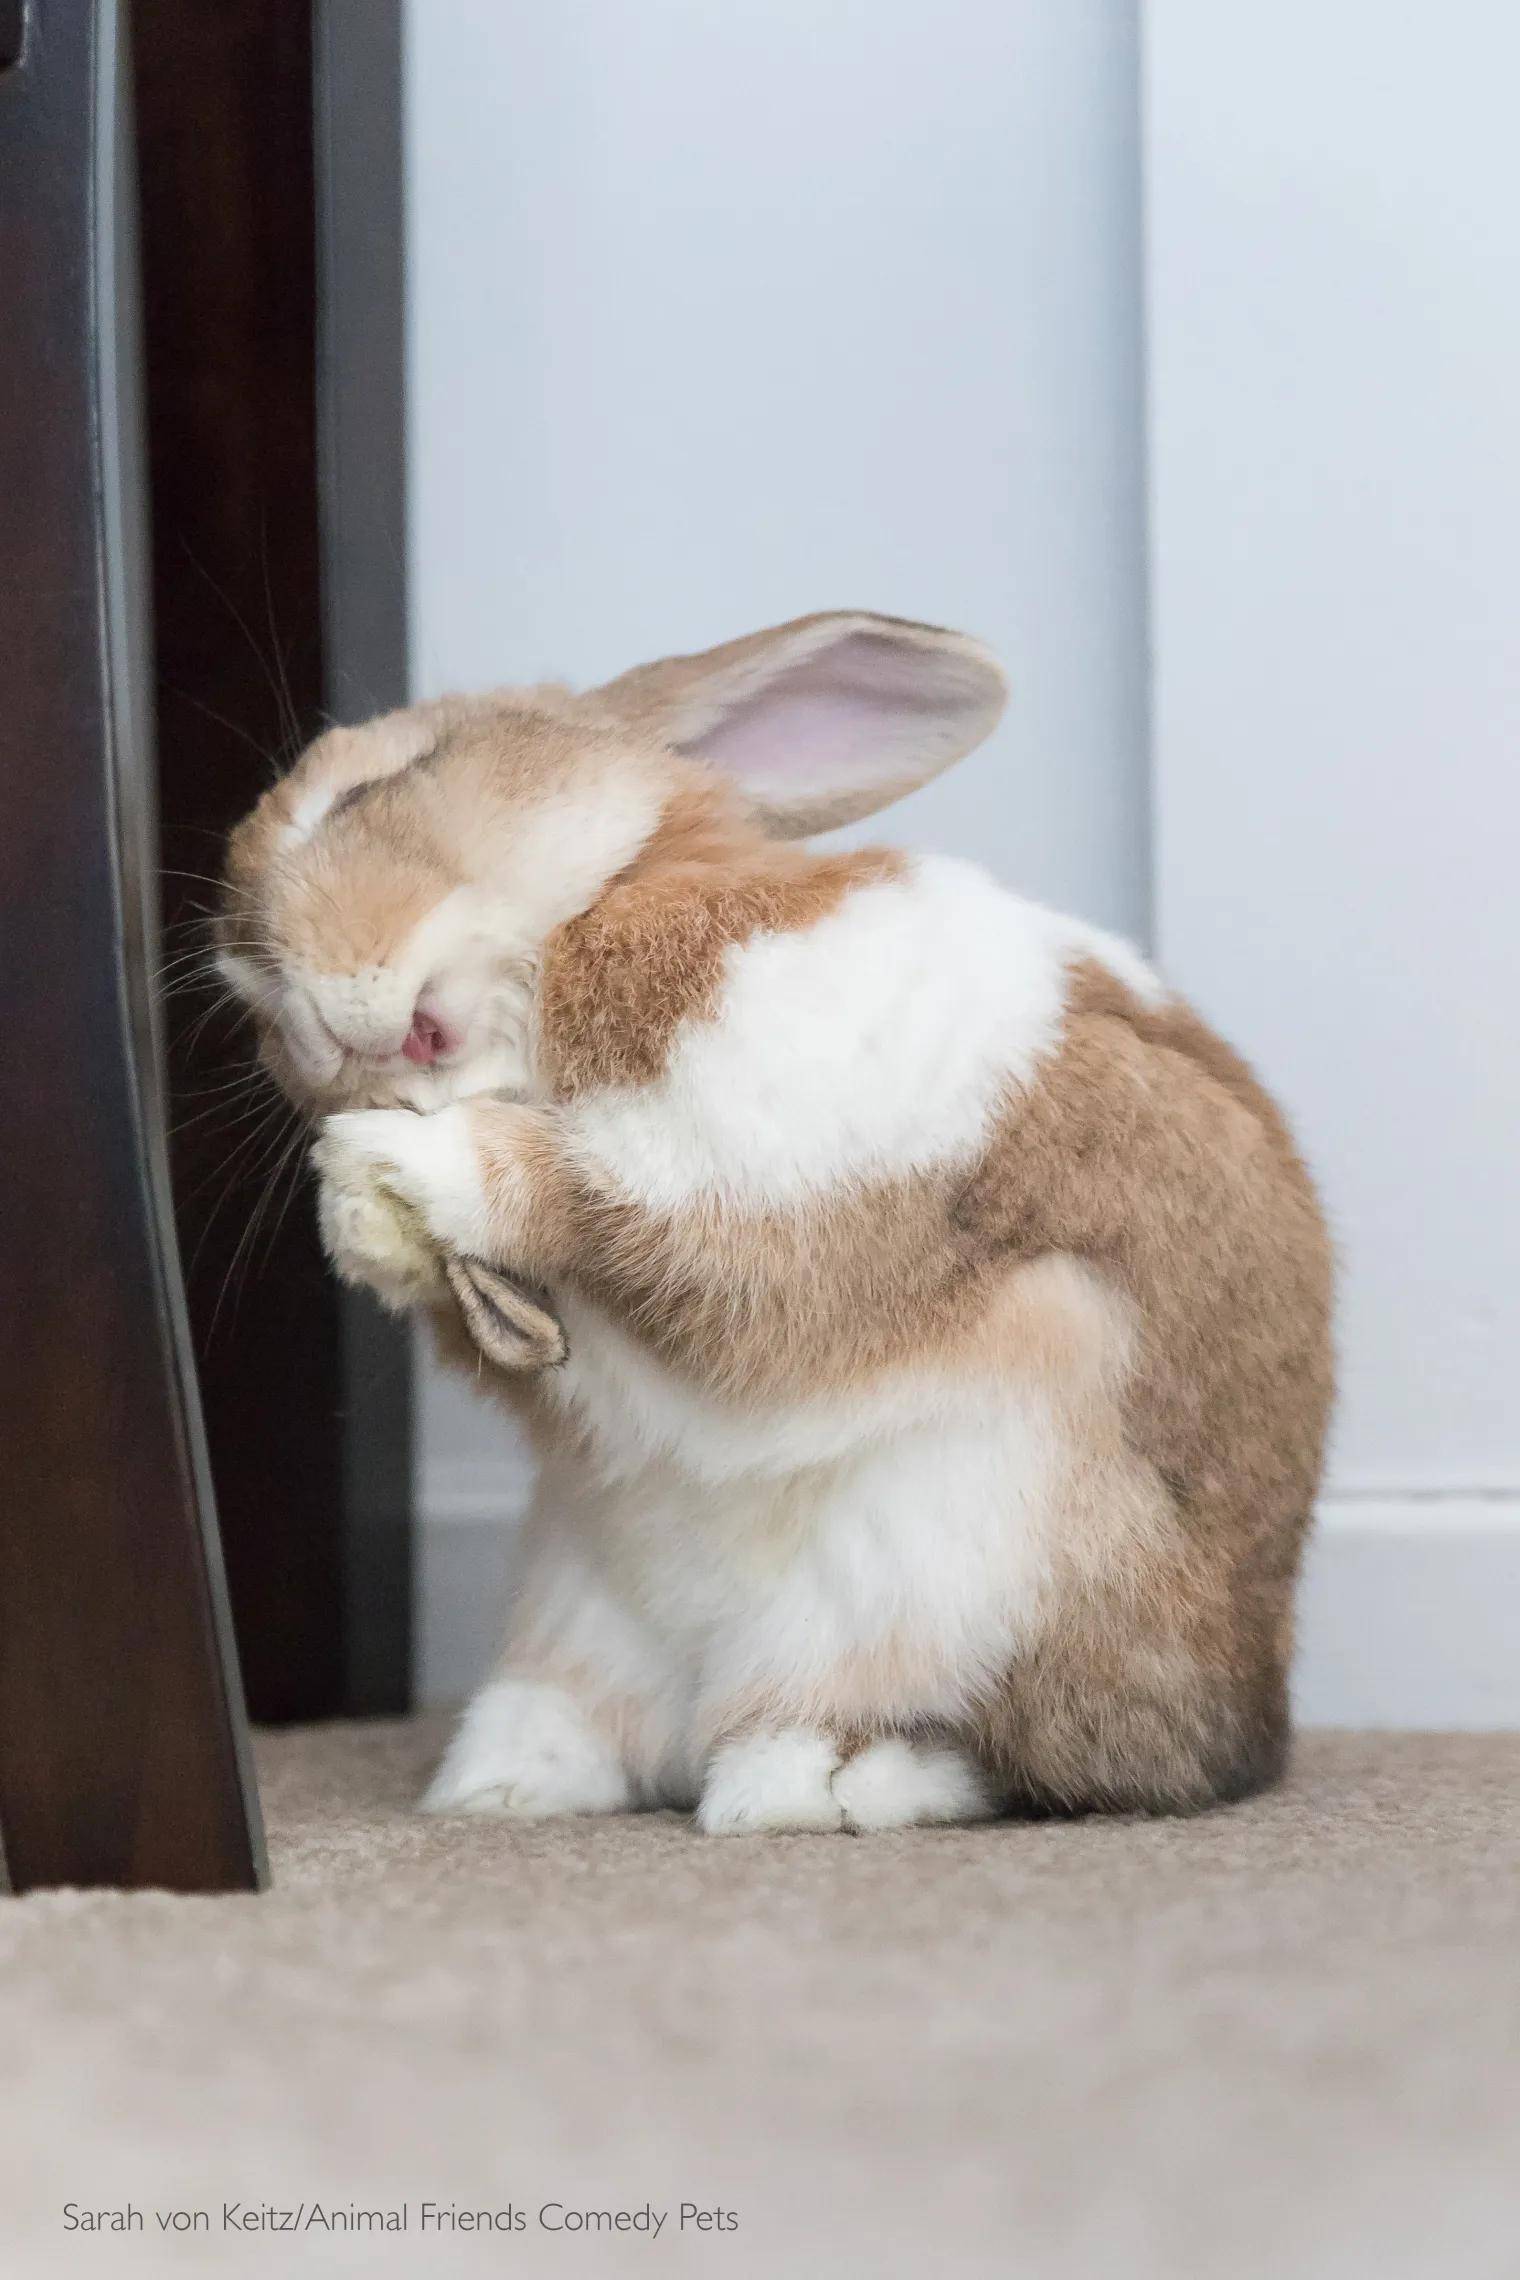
{"points": [[947, 1307]]}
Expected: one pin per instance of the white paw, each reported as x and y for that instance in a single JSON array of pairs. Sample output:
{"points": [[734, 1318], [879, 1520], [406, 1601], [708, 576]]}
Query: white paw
{"points": [[526, 1751], [795, 1780], [900, 1784], [394, 1187], [771, 1781], [377, 1241]]}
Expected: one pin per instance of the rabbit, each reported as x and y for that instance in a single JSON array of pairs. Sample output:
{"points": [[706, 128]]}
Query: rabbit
{"points": [[945, 1309]]}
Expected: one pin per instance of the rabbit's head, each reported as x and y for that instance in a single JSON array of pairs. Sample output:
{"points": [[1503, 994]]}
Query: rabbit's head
{"points": [[388, 900]]}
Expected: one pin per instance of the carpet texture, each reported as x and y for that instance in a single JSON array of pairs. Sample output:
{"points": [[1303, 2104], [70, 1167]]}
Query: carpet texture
{"points": [[1281, 2040]]}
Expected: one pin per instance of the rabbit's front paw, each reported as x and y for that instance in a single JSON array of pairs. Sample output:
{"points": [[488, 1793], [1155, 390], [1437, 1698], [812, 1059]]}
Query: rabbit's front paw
{"points": [[373, 1229], [527, 1752]]}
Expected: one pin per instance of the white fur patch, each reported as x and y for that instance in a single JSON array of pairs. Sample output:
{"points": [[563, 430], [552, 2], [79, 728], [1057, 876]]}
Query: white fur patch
{"points": [[885, 1557], [794, 1779], [564, 848], [771, 1781], [430, 1162], [877, 1043], [251, 982], [900, 1784], [1121, 958], [526, 1751], [310, 809]]}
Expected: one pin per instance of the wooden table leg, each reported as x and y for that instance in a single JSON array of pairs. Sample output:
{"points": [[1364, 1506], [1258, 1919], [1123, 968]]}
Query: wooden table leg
{"points": [[123, 1754]]}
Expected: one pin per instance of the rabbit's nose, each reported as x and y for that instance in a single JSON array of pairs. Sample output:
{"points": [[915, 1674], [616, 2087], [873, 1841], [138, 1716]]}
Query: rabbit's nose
{"points": [[428, 1039], [424, 1040], [372, 1016]]}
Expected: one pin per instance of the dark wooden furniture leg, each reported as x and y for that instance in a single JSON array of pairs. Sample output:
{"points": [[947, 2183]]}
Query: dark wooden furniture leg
{"points": [[306, 1394], [122, 1748]]}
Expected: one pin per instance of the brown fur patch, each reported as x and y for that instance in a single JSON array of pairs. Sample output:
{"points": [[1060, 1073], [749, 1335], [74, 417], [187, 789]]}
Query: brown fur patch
{"points": [[350, 897], [816, 1300], [1149, 1149]]}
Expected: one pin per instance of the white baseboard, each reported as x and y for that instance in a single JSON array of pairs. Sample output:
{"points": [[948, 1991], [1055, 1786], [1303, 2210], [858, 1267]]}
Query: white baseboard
{"points": [[1409, 1613]]}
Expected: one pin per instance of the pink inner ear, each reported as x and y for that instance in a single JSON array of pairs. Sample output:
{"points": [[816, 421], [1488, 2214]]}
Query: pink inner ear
{"points": [[809, 735], [854, 710]]}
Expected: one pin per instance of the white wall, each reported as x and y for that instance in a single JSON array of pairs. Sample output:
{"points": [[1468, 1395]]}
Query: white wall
{"points": [[723, 313], [1333, 229]]}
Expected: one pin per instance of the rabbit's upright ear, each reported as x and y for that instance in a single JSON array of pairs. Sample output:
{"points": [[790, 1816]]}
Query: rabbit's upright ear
{"points": [[825, 719]]}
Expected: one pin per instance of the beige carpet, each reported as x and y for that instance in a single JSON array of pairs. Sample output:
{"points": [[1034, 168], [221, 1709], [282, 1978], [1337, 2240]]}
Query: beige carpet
{"points": [[1279, 2041]]}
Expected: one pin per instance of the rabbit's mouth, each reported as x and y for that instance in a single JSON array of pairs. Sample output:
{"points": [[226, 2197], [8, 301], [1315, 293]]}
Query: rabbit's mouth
{"points": [[463, 1069]]}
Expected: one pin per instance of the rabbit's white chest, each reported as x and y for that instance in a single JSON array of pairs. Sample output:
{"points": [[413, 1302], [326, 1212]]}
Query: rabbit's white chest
{"points": [[893, 1538]]}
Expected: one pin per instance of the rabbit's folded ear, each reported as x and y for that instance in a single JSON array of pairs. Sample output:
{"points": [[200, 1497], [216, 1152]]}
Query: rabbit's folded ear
{"points": [[825, 719]]}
